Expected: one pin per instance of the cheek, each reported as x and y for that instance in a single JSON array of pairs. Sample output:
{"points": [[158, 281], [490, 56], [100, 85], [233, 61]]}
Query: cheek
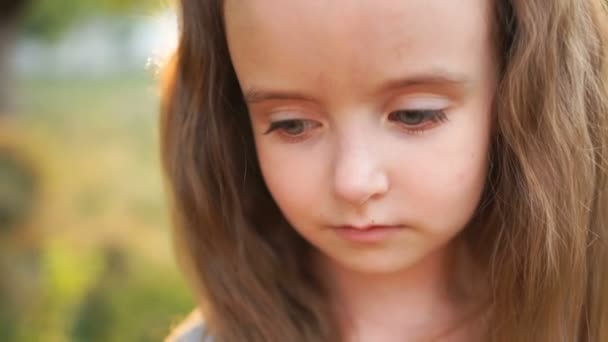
{"points": [[450, 178], [295, 180]]}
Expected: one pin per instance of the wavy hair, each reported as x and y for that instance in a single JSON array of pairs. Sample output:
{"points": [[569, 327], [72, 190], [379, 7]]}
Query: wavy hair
{"points": [[540, 229]]}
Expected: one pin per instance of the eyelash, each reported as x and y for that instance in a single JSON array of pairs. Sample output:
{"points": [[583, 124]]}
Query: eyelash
{"points": [[433, 116], [282, 125]]}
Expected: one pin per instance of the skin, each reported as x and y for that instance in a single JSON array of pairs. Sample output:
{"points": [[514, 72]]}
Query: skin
{"points": [[389, 108]]}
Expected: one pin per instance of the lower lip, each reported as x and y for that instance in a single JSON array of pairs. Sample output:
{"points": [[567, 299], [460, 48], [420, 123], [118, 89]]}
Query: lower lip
{"points": [[369, 235]]}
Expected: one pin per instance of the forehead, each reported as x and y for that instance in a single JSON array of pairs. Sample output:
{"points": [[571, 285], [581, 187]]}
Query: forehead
{"points": [[348, 45]]}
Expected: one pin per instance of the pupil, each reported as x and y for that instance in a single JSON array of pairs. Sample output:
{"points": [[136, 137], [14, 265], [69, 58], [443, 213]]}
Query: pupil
{"points": [[294, 127], [412, 117]]}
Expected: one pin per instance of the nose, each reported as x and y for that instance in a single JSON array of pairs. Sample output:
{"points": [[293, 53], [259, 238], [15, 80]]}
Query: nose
{"points": [[359, 175]]}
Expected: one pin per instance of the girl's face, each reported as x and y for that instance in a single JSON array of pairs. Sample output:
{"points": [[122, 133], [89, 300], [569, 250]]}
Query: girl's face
{"points": [[369, 113]]}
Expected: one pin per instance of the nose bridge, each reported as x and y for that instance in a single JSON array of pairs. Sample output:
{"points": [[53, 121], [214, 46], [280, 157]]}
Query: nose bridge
{"points": [[358, 166]]}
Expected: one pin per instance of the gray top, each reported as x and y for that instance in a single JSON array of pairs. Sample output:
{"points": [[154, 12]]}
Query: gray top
{"points": [[192, 329], [194, 334]]}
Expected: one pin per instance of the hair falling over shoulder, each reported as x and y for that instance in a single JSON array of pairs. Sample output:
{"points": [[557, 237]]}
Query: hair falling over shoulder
{"points": [[541, 229]]}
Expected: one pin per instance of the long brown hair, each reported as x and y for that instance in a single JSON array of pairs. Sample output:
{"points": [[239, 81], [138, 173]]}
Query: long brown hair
{"points": [[540, 231]]}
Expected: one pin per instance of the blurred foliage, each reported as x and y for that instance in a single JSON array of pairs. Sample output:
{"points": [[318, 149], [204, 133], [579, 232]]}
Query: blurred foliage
{"points": [[10, 8], [93, 261], [47, 19], [17, 189]]}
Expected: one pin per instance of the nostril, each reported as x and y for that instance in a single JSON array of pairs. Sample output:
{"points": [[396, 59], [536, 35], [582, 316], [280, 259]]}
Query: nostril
{"points": [[359, 186]]}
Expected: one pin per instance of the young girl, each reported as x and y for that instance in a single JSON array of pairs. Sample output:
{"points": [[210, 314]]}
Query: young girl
{"points": [[398, 170]]}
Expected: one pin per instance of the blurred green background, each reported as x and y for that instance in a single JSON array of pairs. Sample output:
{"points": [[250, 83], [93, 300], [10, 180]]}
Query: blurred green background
{"points": [[85, 241]]}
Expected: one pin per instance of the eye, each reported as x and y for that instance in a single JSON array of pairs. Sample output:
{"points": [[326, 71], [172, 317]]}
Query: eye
{"points": [[292, 129], [418, 119]]}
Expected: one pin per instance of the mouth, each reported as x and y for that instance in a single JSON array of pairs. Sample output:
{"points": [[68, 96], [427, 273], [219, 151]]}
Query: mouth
{"points": [[367, 234]]}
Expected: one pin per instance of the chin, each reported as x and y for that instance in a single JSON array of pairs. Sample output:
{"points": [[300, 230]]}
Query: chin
{"points": [[377, 263]]}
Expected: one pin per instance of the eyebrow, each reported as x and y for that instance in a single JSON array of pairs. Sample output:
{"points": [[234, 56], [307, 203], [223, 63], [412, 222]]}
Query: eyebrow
{"points": [[438, 78], [255, 95]]}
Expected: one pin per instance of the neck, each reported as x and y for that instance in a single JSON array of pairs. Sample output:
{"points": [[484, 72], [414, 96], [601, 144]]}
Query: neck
{"points": [[413, 303]]}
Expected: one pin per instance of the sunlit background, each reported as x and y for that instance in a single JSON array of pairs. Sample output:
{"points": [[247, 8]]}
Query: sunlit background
{"points": [[85, 241]]}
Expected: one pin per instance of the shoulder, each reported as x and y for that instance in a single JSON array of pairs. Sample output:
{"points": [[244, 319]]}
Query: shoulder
{"points": [[191, 329]]}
